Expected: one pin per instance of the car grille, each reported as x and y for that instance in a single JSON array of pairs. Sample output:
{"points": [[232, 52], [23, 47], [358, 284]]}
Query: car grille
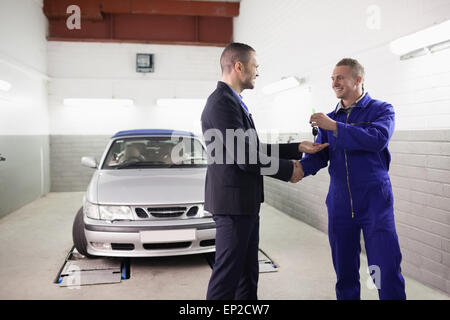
{"points": [[165, 212]]}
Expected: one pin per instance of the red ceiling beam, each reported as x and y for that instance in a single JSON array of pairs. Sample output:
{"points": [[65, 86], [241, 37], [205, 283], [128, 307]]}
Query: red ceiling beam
{"points": [[188, 8], [148, 29], [148, 21], [93, 9]]}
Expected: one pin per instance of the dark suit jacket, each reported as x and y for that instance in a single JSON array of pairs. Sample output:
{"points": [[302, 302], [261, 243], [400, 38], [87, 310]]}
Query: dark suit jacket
{"points": [[233, 187]]}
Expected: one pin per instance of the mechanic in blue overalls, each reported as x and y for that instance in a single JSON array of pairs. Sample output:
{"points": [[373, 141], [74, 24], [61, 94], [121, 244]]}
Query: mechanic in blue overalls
{"points": [[360, 193]]}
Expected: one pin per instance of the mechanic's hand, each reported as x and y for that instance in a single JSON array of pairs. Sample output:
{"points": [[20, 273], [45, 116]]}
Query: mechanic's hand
{"points": [[322, 121], [297, 173], [311, 147]]}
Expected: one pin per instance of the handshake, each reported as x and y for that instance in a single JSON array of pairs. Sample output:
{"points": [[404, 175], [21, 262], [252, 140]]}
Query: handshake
{"points": [[305, 147], [297, 173]]}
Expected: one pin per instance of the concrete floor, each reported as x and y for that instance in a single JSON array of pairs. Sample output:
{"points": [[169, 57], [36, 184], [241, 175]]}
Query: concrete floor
{"points": [[35, 240]]}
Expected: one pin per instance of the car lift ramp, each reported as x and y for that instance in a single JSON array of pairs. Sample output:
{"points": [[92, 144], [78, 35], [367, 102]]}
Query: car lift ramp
{"points": [[78, 270], [265, 263]]}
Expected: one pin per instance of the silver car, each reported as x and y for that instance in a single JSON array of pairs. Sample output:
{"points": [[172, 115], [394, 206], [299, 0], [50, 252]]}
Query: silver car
{"points": [[146, 198]]}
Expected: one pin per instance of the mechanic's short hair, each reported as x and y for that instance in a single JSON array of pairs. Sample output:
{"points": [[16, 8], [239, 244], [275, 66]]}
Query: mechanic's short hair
{"points": [[233, 53], [355, 66]]}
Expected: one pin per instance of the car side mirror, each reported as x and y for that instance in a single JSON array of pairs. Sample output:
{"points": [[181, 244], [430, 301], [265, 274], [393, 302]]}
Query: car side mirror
{"points": [[89, 162]]}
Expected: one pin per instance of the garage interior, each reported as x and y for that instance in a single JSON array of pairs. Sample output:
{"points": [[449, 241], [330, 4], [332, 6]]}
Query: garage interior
{"points": [[45, 60]]}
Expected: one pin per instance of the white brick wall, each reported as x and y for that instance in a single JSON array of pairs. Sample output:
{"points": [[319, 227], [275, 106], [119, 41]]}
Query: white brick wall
{"points": [[421, 203], [306, 39], [67, 173], [105, 70]]}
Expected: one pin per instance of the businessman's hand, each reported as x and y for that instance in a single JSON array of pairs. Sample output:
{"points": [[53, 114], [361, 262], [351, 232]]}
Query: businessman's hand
{"points": [[322, 121], [311, 147], [297, 173]]}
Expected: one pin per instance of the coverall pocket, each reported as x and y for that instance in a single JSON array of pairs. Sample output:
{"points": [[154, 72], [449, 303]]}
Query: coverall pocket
{"points": [[386, 191]]}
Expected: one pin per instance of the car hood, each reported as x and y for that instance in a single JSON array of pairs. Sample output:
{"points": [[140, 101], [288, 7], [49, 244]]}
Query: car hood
{"points": [[150, 186]]}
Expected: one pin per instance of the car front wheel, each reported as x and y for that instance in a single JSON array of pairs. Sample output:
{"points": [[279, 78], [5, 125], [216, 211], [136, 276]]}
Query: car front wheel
{"points": [[78, 236]]}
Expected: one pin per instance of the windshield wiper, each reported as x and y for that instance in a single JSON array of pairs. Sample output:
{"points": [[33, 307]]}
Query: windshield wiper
{"points": [[141, 164], [158, 164], [184, 165], [126, 164]]}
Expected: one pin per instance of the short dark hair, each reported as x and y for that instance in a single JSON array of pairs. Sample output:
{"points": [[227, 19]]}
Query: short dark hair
{"points": [[233, 53], [355, 66]]}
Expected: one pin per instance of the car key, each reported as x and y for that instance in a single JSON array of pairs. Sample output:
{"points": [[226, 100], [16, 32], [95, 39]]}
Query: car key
{"points": [[315, 130]]}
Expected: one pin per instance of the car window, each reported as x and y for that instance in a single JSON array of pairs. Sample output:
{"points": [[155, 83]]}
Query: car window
{"points": [[158, 151]]}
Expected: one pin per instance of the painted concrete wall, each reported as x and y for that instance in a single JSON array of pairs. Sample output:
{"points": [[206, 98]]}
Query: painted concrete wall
{"points": [[25, 175]]}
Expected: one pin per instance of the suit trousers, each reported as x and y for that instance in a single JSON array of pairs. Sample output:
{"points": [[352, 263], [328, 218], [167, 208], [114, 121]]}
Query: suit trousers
{"points": [[236, 270]]}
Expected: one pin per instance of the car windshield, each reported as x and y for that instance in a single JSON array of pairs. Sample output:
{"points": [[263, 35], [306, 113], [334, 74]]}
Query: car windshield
{"points": [[155, 152]]}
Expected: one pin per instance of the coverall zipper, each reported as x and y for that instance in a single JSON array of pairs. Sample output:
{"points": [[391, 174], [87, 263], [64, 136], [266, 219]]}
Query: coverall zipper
{"points": [[348, 178]]}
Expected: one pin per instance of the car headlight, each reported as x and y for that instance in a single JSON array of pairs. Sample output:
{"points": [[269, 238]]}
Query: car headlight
{"points": [[115, 213], [91, 210]]}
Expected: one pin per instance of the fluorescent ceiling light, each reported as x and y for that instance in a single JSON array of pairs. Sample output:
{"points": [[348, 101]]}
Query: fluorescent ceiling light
{"points": [[75, 102], [5, 85], [180, 102], [424, 39], [283, 84]]}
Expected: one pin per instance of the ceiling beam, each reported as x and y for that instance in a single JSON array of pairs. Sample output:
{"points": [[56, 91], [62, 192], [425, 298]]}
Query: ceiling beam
{"points": [[94, 9], [148, 21], [148, 29]]}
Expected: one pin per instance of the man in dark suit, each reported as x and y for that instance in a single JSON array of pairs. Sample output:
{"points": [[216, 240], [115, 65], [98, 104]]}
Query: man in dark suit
{"points": [[234, 178]]}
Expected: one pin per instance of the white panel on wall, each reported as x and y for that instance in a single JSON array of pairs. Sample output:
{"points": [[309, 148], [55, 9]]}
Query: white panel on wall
{"points": [[107, 70], [23, 31], [23, 108]]}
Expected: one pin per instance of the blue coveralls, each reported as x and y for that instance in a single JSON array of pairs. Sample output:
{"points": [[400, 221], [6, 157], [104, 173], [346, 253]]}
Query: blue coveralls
{"points": [[360, 197]]}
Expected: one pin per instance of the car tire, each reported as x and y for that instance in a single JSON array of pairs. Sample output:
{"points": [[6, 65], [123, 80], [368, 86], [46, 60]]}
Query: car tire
{"points": [[78, 236]]}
